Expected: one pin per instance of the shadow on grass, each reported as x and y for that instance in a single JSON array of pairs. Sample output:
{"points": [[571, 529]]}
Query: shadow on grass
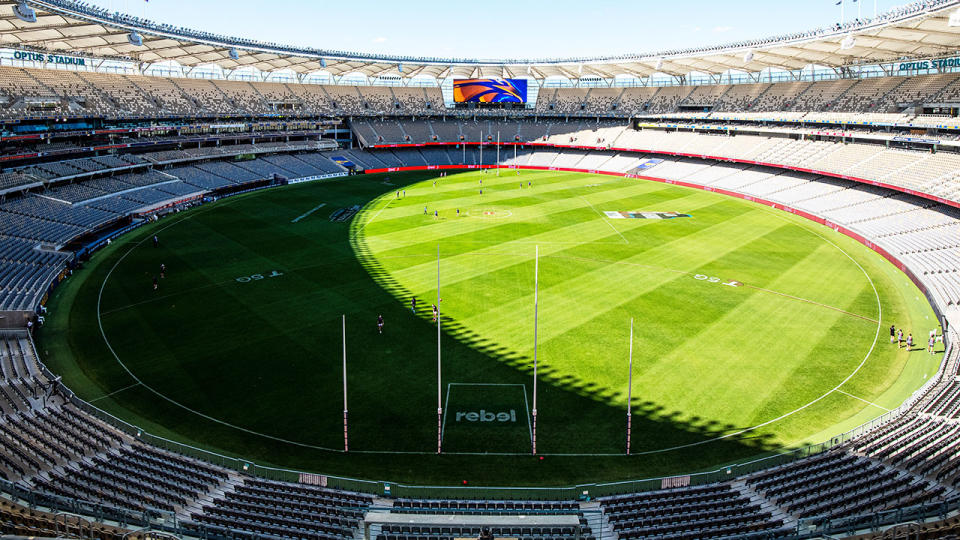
{"points": [[394, 413], [591, 424]]}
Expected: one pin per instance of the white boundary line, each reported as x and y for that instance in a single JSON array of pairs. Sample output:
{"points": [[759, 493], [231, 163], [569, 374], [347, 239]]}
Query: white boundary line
{"points": [[308, 212], [443, 425], [114, 392], [304, 445], [103, 334], [863, 400], [605, 220], [369, 221], [526, 408], [832, 390]]}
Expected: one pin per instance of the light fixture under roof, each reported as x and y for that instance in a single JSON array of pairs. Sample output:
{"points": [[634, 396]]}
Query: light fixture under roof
{"points": [[748, 57], [135, 39], [24, 12], [954, 19], [848, 42]]}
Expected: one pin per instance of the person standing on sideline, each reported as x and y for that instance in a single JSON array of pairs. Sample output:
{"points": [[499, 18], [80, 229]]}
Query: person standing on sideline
{"points": [[156, 241], [398, 194], [435, 313], [380, 323], [404, 194], [931, 343]]}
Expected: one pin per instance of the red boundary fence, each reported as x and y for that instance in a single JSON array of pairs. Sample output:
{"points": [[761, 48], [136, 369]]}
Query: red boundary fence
{"points": [[901, 189]]}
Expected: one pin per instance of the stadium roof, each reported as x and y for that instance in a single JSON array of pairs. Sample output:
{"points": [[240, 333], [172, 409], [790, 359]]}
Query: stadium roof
{"points": [[919, 30]]}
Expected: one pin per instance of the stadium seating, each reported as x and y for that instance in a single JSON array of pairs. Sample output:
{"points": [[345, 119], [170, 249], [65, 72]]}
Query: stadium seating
{"points": [[51, 444]]}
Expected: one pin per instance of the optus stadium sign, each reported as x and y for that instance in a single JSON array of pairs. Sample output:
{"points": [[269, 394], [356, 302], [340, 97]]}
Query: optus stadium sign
{"points": [[49, 58]]}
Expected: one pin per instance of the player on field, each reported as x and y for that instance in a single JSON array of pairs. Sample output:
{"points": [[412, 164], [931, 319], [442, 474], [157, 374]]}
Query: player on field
{"points": [[424, 210], [163, 270], [930, 344], [435, 313], [380, 323], [413, 305], [156, 241], [900, 338], [893, 333], [910, 342], [156, 284]]}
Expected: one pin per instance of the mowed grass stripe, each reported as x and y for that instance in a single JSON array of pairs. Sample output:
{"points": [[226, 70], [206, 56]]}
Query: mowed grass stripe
{"points": [[668, 328], [564, 302], [420, 276], [746, 344], [394, 223], [479, 261], [538, 228]]}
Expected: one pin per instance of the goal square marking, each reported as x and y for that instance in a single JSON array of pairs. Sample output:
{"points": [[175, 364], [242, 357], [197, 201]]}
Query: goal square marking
{"points": [[486, 418]]}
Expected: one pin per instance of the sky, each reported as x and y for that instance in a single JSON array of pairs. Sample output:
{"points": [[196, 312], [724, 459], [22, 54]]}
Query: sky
{"points": [[500, 29]]}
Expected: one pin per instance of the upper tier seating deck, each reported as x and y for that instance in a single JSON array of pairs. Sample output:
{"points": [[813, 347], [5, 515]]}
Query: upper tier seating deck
{"points": [[30, 92]]}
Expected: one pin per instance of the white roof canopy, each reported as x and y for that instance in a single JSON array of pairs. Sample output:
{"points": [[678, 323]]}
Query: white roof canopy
{"points": [[73, 28]]}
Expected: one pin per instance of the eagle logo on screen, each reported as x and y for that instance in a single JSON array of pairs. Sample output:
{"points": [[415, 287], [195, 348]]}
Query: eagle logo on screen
{"points": [[490, 90]]}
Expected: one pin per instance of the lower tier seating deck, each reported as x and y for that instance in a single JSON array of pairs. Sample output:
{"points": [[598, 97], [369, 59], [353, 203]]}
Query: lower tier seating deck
{"points": [[48, 442]]}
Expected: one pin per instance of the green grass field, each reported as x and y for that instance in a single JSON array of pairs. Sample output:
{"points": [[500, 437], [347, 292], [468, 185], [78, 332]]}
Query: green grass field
{"points": [[754, 329]]}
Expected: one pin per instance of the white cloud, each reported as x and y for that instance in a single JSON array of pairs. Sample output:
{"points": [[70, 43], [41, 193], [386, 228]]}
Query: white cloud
{"points": [[722, 28], [380, 39]]}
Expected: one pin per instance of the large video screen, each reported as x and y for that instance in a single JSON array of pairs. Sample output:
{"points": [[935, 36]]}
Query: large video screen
{"points": [[490, 90]]}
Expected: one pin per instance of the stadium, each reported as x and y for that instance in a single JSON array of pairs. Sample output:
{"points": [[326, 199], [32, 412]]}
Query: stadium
{"points": [[252, 290]]}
